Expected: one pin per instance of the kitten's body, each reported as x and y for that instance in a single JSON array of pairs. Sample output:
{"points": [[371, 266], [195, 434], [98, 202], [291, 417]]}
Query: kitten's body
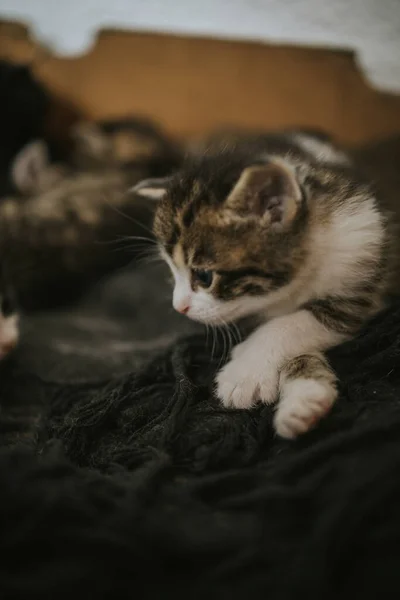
{"points": [[127, 143], [283, 227]]}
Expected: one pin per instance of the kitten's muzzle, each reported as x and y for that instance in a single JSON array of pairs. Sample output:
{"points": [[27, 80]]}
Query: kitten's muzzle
{"points": [[183, 309]]}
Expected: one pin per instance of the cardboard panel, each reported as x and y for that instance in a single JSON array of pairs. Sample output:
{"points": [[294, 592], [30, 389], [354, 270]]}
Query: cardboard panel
{"points": [[194, 85]]}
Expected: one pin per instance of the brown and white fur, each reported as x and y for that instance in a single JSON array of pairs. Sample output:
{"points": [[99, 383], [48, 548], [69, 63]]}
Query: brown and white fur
{"points": [[279, 226]]}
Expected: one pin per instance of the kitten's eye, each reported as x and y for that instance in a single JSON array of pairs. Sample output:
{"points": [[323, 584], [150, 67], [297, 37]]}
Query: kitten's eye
{"points": [[204, 278]]}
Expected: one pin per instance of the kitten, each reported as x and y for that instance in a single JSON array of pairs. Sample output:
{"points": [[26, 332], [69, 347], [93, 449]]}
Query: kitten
{"points": [[132, 147], [57, 229], [281, 227]]}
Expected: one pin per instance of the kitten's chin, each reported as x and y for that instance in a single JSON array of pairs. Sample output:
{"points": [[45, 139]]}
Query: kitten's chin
{"points": [[201, 319], [204, 318], [205, 321], [217, 318]]}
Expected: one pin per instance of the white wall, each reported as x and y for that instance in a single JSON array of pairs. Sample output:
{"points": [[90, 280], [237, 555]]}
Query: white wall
{"points": [[371, 27]]}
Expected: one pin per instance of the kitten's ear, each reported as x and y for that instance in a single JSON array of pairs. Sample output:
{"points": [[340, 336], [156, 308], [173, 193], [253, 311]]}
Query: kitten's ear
{"points": [[268, 191], [154, 189], [28, 167]]}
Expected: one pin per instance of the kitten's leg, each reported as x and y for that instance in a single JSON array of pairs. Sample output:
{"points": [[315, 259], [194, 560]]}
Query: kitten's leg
{"points": [[252, 375], [307, 389], [253, 372]]}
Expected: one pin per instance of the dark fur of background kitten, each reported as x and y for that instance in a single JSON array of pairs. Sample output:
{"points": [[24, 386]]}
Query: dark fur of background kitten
{"points": [[129, 143], [284, 227], [58, 227]]}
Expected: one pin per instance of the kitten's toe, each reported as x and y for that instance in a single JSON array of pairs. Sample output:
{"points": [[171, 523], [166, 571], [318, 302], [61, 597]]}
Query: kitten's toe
{"points": [[234, 388], [235, 394], [303, 403], [241, 387]]}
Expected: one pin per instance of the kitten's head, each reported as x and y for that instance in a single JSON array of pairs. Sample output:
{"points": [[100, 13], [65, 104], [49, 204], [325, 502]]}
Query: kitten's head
{"points": [[231, 229], [122, 142]]}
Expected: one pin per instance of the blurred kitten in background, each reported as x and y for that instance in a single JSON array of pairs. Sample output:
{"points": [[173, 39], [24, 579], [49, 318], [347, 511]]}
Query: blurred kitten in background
{"points": [[58, 223]]}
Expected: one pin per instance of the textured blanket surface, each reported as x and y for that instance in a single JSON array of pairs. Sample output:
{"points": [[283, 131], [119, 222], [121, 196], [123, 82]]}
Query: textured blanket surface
{"points": [[121, 476]]}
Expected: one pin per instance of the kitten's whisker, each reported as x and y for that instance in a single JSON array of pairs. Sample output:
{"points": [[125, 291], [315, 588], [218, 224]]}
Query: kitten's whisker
{"points": [[207, 332], [137, 237], [125, 238], [213, 338], [140, 247], [237, 337], [146, 251], [222, 359], [133, 248], [130, 218], [147, 260], [229, 342]]}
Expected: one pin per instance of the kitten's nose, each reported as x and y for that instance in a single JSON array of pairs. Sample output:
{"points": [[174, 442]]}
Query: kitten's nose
{"points": [[182, 309], [181, 299], [182, 304]]}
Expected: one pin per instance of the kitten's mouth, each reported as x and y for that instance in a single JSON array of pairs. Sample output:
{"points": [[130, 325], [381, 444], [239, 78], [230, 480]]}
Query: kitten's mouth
{"points": [[198, 318], [195, 318], [207, 320]]}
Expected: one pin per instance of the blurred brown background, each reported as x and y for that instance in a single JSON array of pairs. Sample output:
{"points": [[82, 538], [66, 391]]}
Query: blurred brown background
{"points": [[191, 86]]}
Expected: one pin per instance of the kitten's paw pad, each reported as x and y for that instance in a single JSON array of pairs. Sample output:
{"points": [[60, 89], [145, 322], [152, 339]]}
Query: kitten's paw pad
{"points": [[303, 403], [241, 384]]}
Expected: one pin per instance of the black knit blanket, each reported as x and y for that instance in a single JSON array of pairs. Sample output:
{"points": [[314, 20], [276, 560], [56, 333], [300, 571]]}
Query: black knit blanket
{"points": [[122, 477]]}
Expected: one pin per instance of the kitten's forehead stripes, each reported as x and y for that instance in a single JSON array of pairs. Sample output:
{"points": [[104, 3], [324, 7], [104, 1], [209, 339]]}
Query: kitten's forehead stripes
{"points": [[173, 237], [189, 213], [178, 256]]}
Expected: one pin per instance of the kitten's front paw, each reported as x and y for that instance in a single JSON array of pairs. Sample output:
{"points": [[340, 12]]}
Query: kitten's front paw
{"points": [[303, 403], [246, 380]]}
